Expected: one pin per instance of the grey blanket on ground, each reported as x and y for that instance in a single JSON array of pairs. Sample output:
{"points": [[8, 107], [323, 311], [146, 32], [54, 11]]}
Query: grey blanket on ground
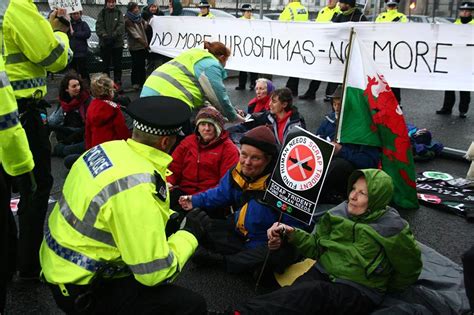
{"points": [[439, 289]]}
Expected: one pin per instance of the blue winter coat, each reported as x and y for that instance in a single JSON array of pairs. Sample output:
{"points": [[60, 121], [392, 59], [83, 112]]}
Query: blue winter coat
{"points": [[78, 40], [361, 156], [252, 218]]}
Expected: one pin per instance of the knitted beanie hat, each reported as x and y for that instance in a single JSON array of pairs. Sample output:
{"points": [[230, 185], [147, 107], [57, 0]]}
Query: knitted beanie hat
{"points": [[211, 115], [262, 138]]}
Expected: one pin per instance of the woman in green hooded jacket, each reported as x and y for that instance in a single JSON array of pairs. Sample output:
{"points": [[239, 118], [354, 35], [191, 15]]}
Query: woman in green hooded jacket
{"points": [[363, 249]]}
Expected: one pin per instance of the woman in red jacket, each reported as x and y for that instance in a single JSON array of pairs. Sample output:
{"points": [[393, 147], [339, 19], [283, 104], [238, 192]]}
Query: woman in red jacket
{"points": [[202, 158], [261, 101], [104, 120]]}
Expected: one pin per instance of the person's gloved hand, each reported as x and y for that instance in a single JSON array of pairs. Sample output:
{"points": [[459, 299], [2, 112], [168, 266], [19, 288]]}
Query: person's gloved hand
{"points": [[25, 184], [197, 223]]}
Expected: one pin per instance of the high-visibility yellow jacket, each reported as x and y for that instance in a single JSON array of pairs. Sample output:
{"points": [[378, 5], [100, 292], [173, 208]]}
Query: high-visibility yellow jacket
{"points": [[391, 16], [458, 21], [208, 16], [190, 77], [15, 154], [294, 11], [326, 14], [113, 211], [30, 47]]}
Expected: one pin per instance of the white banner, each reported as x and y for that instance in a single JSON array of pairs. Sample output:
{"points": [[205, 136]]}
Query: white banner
{"points": [[410, 55], [70, 5]]}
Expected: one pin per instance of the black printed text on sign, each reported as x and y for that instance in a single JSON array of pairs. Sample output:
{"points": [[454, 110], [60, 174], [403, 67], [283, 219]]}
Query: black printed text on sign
{"points": [[297, 180]]}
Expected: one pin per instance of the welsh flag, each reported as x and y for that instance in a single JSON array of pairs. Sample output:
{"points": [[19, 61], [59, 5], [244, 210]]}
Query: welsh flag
{"points": [[370, 115]]}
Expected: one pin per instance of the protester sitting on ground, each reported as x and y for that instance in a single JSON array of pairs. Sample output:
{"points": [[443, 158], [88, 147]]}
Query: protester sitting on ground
{"points": [[104, 121], [347, 156], [282, 116], [68, 121], [194, 75], [363, 249], [79, 33], [240, 242], [261, 101], [202, 158]]}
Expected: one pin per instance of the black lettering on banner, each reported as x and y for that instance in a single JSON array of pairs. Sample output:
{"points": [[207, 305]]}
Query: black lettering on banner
{"points": [[395, 55], [258, 38], [286, 45], [198, 39], [248, 42], [306, 59], [387, 44], [237, 42], [207, 37], [162, 39], [338, 56], [296, 50], [441, 58], [271, 48], [421, 54], [189, 43], [181, 37]]}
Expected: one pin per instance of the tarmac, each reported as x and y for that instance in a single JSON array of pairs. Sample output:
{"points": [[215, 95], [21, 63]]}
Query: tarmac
{"points": [[447, 233]]}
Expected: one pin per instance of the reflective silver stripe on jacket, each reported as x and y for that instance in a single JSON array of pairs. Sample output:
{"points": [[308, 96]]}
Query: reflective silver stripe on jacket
{"points": [[4, 82], [153, 266], [9, 120], [188, 73], [175, 83], [28, 83], [86, 226], [53, 55], [15, 58]]}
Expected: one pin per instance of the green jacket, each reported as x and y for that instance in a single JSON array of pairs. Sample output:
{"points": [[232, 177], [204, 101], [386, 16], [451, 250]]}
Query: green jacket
{"points": [[110, 23], [374, 251]]}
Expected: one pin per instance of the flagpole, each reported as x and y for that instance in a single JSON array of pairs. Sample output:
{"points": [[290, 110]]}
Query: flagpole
{"points": [[344, 80]]}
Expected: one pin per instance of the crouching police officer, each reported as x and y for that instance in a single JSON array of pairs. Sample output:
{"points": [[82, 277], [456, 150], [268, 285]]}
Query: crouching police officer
{"points": [[105, 248]]}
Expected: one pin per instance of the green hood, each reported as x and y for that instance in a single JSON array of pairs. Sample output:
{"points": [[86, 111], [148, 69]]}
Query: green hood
{"points": [[380, 189]]}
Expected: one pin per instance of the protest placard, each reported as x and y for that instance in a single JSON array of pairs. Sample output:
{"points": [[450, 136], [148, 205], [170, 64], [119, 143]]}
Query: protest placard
{"points": [[69, 5], [299, 175]]}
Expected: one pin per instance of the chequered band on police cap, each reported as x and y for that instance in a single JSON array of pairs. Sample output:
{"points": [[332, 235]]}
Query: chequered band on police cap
{"points": [[156, 131]]}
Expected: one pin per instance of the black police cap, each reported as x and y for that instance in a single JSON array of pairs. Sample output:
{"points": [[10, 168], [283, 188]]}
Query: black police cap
{"points": [[159, 115], [466, 6], [246, 7], [204, 4]]}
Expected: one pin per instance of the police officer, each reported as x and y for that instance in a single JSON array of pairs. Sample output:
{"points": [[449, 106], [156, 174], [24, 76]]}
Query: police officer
{"points": [[465, 17], [325, 15], [204, 7], [294, 11], [16, 159], [392, 15], [246, 9], [32, 46], [105, 248]]}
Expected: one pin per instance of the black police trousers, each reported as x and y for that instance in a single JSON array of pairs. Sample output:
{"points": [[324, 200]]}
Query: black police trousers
{"points": [[31, 216], [450, 99], [311, 293], [128, 296], [7, 239]]}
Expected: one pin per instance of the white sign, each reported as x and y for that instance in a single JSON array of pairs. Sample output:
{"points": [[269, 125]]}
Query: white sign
{"points": [[410, 55], [69, 5]]}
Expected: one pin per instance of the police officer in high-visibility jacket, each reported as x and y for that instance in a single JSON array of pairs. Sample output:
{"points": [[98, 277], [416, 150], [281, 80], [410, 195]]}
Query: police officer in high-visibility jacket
{"points": [[325, 15], [194, 75], [15, 160], [465, 17], [32, 45], [392, 15], [108, 247], [294, 11], [205, 10]]}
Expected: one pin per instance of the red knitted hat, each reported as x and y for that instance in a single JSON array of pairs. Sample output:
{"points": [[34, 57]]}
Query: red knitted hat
{"points": [[262, 138]]}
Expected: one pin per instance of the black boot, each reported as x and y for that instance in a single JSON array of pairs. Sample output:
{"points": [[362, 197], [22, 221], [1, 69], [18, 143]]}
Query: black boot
{"points": [[443, 111]]}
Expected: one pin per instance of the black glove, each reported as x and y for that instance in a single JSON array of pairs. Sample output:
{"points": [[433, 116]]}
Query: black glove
{"points": [[173, 224], [25, 184], [197, 223]]}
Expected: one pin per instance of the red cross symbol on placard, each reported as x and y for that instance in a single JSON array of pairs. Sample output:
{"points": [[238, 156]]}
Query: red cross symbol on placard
{"points": [[301, 163]]}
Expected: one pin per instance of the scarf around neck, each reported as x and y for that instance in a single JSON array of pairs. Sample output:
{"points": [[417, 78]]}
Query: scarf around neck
{"points": [[135, 18]]}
